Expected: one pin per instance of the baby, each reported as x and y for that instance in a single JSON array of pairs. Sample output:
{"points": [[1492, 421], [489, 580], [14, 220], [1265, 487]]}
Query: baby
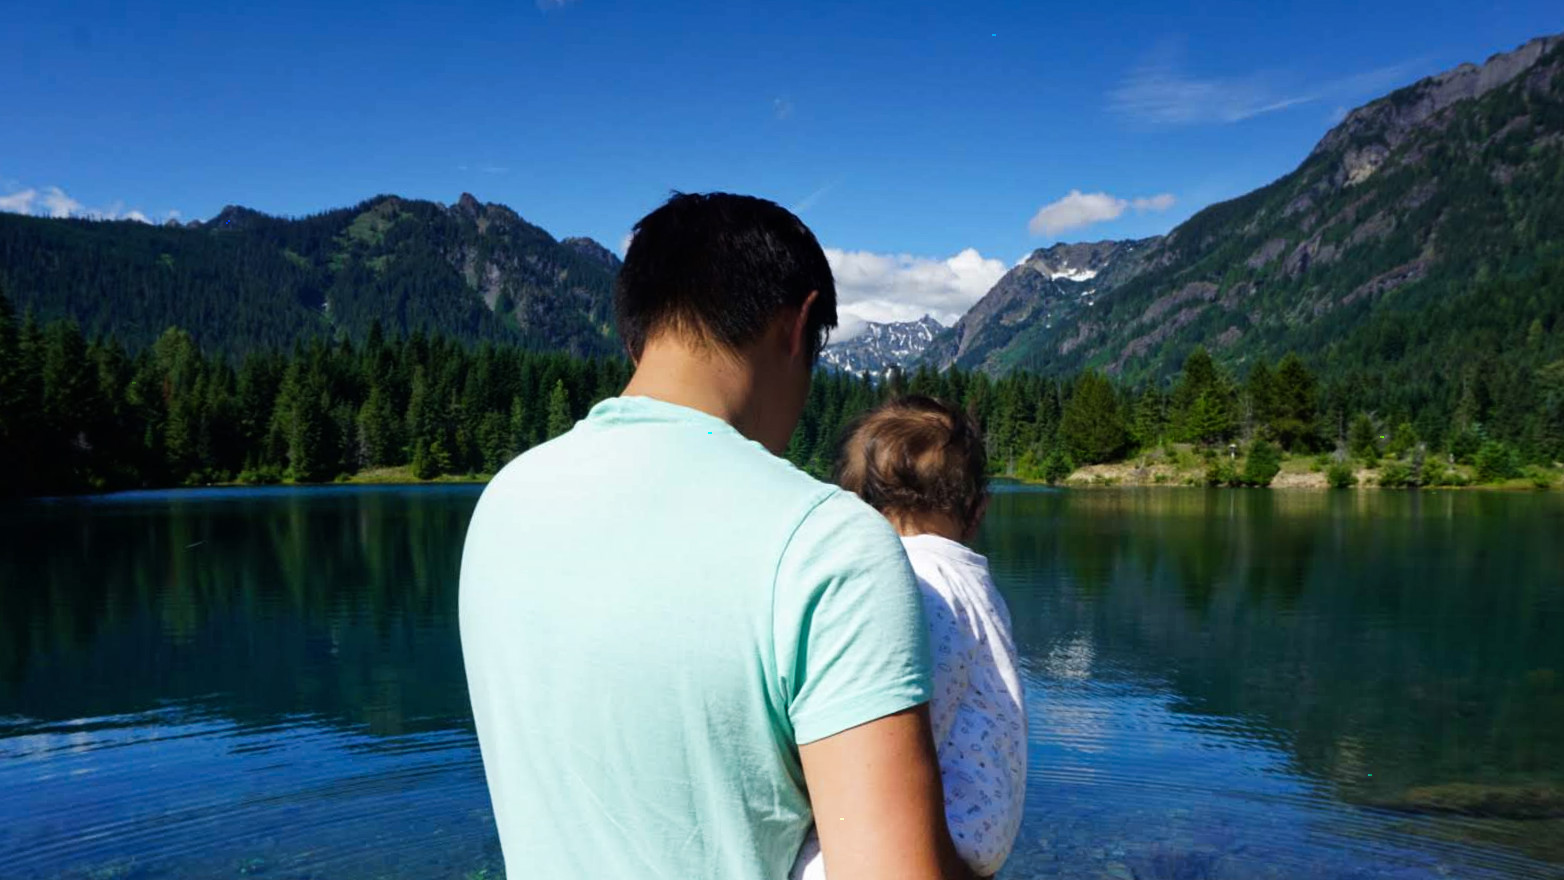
{"points": [[921, 463]]}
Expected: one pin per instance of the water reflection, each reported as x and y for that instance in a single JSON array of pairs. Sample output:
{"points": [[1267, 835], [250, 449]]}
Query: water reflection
{"points": [[1222, 684], [204, 684], [1357, 645]]}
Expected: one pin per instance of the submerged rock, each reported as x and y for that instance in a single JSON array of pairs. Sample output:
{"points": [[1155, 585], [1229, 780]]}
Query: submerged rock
{"points": [[1484, 801]]}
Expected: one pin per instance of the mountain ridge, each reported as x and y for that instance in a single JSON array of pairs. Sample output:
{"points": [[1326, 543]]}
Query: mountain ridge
{"points": [[881, 346], [244, 280], [1413, 202]]}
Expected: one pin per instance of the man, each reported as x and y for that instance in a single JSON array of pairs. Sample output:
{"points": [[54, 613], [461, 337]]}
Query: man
{"points": [[681, 650]]}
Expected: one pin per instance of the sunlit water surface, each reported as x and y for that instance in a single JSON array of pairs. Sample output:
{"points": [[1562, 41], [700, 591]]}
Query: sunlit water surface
{"points": [[1225, 684]]}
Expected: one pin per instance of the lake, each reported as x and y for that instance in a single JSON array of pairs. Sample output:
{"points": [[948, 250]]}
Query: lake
{"points": [[1222, 684]]}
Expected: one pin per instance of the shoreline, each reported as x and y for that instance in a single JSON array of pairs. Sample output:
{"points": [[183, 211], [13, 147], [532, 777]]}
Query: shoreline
{"points": [[1295, 473]]}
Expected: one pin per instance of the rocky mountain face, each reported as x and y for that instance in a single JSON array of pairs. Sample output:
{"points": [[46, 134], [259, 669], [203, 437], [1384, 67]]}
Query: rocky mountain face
{"points": [[593, 251], [1388, 238], [245, 280], [882, 346], [1055, 286]]}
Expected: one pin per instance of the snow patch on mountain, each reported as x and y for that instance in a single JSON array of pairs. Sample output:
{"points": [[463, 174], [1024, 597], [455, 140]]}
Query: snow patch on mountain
{"points": [[882, 346]]}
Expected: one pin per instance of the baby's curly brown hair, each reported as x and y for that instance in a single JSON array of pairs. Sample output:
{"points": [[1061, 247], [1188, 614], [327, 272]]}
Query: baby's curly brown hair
{"points": [[914, 455]]}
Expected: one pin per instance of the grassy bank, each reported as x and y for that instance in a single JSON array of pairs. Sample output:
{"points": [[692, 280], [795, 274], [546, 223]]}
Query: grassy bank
{"points": [[1185, 465], [380, 476]]}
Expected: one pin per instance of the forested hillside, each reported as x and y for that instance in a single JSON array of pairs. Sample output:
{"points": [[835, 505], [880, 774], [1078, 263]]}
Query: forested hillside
{"points": [[1416, 258], [79, 415], [244, 281]]}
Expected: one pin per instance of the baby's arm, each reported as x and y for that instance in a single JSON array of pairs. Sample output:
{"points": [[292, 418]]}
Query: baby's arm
{"points": [[984, 770]]}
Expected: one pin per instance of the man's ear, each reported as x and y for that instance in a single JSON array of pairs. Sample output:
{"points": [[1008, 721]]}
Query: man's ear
{"points": [[796, 343]]}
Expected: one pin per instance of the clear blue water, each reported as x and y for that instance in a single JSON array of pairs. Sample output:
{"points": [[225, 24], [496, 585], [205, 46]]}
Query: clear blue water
{"points": [[1224, 684]]}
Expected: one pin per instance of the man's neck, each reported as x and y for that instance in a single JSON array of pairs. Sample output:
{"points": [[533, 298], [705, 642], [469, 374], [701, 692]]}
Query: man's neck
{"points": [[712, 381]]}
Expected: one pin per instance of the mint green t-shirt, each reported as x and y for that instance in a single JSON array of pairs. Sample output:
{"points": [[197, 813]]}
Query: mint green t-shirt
{"points": [[655, 612]]}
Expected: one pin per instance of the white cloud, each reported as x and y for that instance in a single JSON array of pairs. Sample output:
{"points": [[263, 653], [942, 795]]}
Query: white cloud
{"points": [[51, 201], [781, 107], [903, 287], [547, 5], [57, 204], [18, 202], [624, 244], [1083, 209], [1161, 93]]}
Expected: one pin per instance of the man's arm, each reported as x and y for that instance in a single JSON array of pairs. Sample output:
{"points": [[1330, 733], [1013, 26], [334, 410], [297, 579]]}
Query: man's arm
{"points": [[878, 802]]}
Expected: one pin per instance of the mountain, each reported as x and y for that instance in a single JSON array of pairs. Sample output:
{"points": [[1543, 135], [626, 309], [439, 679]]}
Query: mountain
{"points": [[882, 346], [245, 280], [1425, 232], [1053, 285]]}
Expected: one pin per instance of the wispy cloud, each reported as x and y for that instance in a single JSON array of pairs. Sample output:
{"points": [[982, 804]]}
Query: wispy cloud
{"points": [[903, 287], [809, 201], [624, 244], [51, 201], [1083, 209], [551, 5], [1160, 92], [781, 107]]}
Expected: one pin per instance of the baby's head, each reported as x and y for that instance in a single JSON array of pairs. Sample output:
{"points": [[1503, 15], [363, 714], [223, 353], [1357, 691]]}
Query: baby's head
{"points": [[921, 463]]}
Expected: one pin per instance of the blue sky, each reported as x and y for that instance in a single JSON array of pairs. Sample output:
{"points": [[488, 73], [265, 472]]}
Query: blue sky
{"points": [[922, 141]]}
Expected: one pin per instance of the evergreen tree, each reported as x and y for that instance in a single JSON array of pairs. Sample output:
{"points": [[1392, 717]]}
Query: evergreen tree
{"points": [[1149, 418], [1294, 400], [1262, 464], [1092, 428], [379, 430], [13, 404], [1260, 400], [1363, 438], [1402, 440], [559, 420]]}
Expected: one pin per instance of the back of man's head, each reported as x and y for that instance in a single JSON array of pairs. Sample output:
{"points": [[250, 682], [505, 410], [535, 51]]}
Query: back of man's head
{"points": [[717, 269]]}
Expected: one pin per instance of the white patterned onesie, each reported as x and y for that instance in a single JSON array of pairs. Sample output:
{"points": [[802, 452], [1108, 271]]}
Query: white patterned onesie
{"points": [[979, 720]]}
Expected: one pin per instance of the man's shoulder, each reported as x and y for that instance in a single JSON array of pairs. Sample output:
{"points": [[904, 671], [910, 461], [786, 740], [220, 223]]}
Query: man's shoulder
{"points": [[733, 474]]}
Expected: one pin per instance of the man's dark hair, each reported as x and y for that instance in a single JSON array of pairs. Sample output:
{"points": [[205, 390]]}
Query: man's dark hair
{"points": [[718, 267], [915, 454]]}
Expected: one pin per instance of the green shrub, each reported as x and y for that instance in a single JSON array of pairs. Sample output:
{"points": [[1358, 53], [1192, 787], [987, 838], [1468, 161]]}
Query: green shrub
{"points": [[264, 475], [1496, 461], [1057, 467], [1540, 477], [1262, 464], [1340, 476], [1221, 472], [1464, 444], [1435, 473], [1395, 475], [1363, 439]]}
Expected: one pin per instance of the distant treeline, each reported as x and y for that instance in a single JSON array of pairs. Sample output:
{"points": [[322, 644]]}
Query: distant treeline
{"points": [[79, 415]]}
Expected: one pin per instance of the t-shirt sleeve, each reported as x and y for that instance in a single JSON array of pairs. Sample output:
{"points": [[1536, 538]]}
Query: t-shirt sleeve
{"points": [[850, 637]]}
